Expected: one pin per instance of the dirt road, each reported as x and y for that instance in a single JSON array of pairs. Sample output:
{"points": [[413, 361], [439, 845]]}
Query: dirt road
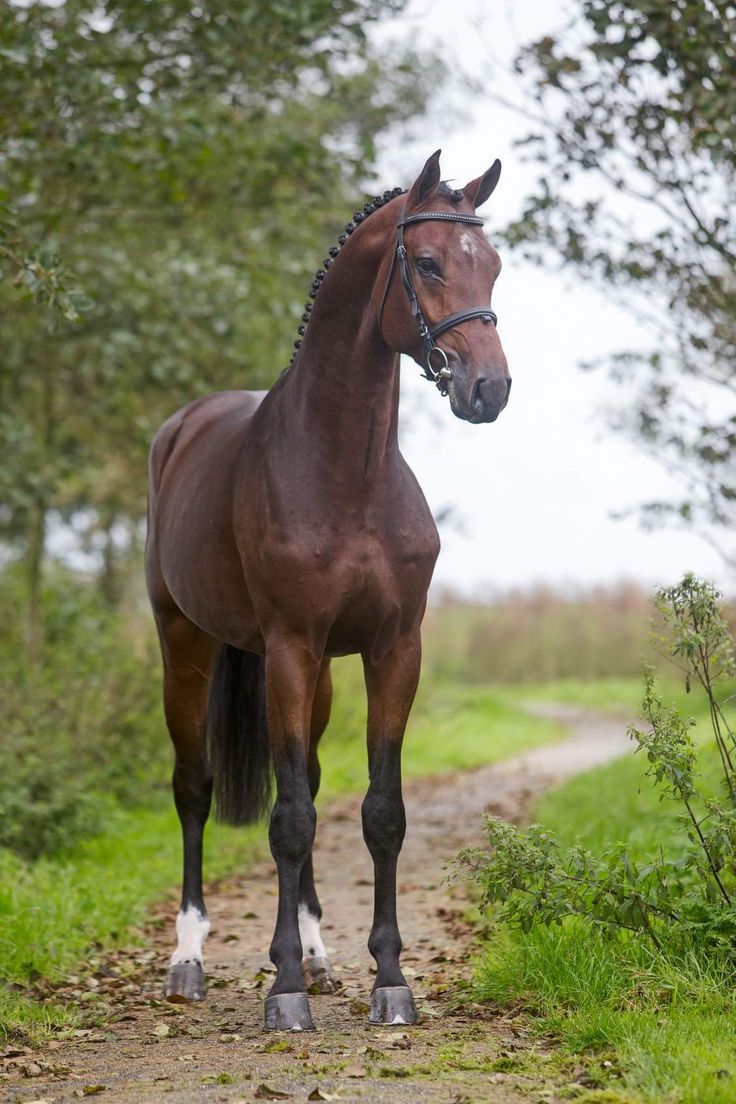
{"points": [[146, 1050]]}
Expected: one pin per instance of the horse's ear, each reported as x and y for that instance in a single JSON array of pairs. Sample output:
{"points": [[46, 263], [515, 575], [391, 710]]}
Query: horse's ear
{"points": [[426, 183], [478, 190]]}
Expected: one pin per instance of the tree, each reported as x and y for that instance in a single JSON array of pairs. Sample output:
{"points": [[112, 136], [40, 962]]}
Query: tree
{"points": [[169, 171], [634, 129]]}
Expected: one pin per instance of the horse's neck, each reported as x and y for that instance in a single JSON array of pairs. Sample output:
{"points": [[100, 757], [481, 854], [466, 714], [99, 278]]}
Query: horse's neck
{"points": [[341, 396]]}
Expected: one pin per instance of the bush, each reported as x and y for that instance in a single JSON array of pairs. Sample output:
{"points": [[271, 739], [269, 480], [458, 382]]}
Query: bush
{"points": [[685, 900], [82, 730]]}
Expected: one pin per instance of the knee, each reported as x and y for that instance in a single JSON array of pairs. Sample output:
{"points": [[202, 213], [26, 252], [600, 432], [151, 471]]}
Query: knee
{"points": [[384, 824], [292, 828]]}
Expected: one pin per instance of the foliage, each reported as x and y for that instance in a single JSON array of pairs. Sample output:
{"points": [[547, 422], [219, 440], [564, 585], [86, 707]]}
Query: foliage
{"points": [[169, 173], [634, 130], [686, 899], [82, 730]]}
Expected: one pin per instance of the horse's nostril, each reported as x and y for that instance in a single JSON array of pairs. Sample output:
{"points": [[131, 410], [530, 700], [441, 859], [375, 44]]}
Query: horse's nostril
{"points": [[487, 392]]}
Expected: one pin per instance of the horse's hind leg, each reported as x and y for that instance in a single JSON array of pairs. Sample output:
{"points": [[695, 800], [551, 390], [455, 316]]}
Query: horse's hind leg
{"points": [[315, 963], [391, 684], [188, 654]]}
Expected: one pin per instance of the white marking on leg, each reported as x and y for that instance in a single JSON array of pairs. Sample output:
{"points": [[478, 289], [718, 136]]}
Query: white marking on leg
{"points": [[312, 945], [191, 931]]}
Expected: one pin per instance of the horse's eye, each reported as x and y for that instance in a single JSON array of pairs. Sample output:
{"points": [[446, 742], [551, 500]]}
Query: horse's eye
{"points": [[427, 267]]}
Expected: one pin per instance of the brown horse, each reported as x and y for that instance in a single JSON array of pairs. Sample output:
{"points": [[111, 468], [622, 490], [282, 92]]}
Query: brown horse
{"points": [[286, 528]]}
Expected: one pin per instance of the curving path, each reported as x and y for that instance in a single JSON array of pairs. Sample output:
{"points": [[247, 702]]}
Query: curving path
{"points": [[145, 1050]]}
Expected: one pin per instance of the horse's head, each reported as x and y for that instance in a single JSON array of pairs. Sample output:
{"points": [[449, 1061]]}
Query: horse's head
{"points": [[436, 307]]}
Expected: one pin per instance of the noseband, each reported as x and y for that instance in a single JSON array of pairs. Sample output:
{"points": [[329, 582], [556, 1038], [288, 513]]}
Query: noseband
{"points": [[441, 373]]}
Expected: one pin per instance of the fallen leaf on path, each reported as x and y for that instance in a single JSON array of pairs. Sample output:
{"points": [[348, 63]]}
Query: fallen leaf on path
{"points": [[93, 1090], [161, 1030], [371, 1052], [265, 1092], [320, 1094], [278, 1046], [355, 1071], [398, 1040], [358, 1007]]}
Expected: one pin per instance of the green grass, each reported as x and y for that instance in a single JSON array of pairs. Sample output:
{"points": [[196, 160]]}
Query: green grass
{"points": [[613, 695], [668, 1025], [54, 909], [452, 727]]}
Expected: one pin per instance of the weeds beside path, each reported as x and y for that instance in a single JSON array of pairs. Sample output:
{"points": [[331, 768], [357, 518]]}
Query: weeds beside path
{"points": [[143, 1049]]}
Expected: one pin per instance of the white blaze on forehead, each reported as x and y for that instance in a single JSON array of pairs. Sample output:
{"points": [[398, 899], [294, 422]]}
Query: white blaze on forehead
{"points": [[312, 945], [466, 243], [191, 931]]}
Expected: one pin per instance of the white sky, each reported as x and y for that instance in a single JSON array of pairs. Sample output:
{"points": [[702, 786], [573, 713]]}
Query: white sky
{"points": [[535, 491]]}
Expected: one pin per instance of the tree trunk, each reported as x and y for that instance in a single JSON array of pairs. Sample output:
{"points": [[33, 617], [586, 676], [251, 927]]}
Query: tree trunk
{"points": [[36, 542], [109, 577], [34, 577]]}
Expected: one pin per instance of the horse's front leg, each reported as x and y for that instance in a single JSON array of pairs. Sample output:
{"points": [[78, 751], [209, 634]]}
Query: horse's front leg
{"points": [[391, 685], [291, 677]]}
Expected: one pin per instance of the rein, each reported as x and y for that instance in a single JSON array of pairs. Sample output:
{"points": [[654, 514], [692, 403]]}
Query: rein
{"points": [[441, 374]]}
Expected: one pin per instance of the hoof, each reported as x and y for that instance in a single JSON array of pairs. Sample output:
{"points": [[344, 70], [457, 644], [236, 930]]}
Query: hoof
{"points": [[318, 975], [185, 982], [288, 1012], [393, 1004]]}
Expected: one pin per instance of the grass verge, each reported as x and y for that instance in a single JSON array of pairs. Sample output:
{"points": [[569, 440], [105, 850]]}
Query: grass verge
{"points": [[52, 911], [650, 1027]]}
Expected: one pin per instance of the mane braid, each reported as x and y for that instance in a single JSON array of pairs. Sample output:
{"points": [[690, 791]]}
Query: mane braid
{"points": [[358, 217]]}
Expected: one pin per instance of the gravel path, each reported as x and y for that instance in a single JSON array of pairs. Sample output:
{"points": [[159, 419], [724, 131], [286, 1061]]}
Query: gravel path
{"points": [[146, 1050]]}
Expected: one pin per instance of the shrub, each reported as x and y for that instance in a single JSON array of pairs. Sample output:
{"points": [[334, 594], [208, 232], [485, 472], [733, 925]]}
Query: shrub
{"points": [[687, 897], [82, 730]]}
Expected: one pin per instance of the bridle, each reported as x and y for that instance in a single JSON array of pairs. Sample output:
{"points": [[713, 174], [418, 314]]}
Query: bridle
{"points": [[442, 374]]}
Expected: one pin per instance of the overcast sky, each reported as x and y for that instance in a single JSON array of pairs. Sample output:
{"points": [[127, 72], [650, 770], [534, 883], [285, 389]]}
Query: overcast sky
{"points": [[536, 490]]}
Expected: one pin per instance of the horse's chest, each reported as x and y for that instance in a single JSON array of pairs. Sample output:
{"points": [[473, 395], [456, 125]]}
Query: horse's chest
{"points": [[375, 590], [359, 578]]}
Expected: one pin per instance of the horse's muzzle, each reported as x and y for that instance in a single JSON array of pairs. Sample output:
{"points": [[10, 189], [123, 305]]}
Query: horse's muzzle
{"points": [[485, 401]]}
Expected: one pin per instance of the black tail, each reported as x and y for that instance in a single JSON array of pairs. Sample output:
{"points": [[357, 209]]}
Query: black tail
{"points": [[237, 737]]}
